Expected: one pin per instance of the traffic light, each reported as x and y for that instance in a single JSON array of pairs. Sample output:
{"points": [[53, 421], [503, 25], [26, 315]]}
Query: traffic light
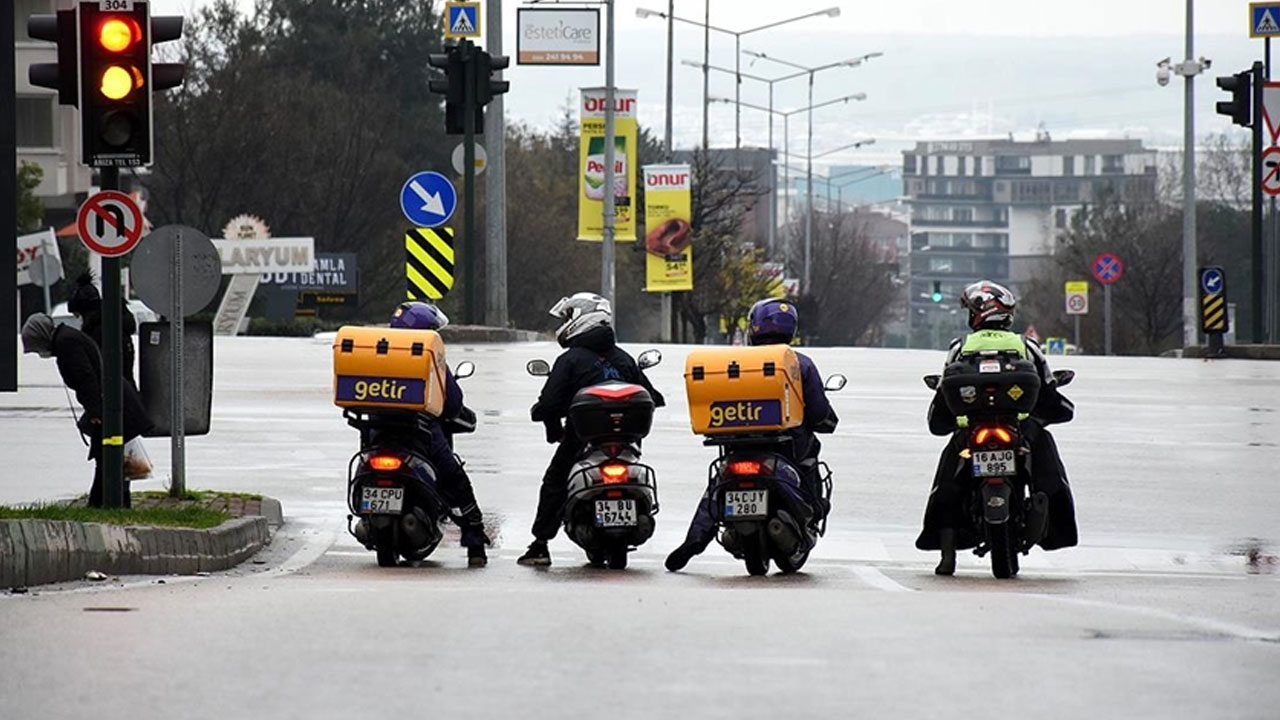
{"points": [[936, 296], [62, 75], [117, 80], [486, 86], [453, 87], [1238, 108]]}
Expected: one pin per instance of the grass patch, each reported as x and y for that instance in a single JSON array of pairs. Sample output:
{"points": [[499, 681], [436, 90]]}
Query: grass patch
{"points": [[198, 495], [191, 516]]}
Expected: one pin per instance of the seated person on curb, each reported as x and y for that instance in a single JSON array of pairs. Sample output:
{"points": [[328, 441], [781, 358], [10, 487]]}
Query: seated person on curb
{"points": [[591, 357], [435, 442], [773, 322], [946, 526]]}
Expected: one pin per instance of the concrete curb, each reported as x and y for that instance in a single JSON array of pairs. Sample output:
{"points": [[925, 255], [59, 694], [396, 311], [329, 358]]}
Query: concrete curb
{"points": [[1238, 352], [36, 552], [482, 334]]}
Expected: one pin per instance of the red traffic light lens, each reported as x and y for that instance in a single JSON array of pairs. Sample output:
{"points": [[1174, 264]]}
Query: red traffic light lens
{"points": [[118, 35]]}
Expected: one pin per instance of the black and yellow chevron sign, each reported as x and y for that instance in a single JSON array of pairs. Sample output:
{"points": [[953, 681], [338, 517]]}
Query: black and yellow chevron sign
{"points": [[428, 265], [1214, 313]]}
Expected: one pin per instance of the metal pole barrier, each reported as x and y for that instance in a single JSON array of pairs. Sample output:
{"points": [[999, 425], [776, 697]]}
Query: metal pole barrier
{"points": [[495, 194], [667, 298], [606, 255], [1189, 260], [706, 73], [469, 177], [1106, 316], [808, 203], [773, 185], [1077, 333], [1255, 294], [113, 485], [177, 352]]}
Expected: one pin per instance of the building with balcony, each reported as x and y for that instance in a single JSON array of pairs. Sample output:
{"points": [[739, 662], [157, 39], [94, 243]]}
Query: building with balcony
{"points": [[994, 209], [47, 133]]}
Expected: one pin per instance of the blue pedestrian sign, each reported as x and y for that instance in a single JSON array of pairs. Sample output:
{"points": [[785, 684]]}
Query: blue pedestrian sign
{"points": [[1057, 346], [461, 20], [1211, 280], [1264, 19], [428, 199]]}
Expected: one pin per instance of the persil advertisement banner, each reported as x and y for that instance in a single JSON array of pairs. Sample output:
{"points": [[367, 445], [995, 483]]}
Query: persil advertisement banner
{"points": [[558, 36], [668, 210], [591, 161]]}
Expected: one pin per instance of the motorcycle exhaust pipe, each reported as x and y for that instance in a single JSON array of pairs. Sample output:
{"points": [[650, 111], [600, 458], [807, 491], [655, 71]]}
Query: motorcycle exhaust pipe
{"points": [[782, 532], [415, 529]]}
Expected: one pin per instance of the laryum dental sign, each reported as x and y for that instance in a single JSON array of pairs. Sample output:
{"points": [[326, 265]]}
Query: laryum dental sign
{"points": [[557, 36]]}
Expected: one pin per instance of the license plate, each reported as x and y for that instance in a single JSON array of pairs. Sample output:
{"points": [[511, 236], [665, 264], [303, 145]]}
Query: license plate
{"points": [[994, 463], [381, 500], [745, 504], [989, 366], [616, 513]]}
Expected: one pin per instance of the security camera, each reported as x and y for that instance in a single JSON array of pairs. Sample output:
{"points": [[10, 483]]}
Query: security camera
{"points": [[1162, 75]]}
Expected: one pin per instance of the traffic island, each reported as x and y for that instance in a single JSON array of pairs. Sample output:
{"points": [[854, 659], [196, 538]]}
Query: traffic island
{"points": [[202, 532]]}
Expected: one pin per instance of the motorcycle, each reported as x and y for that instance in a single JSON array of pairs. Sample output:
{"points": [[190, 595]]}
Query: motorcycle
{"points": [[393, 496], [762, 506], [613, 496], [991, 394]]}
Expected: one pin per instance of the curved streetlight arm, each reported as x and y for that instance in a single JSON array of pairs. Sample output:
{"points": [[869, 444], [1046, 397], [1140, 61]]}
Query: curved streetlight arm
{"points": [[829, 12], [645, 13], [730, 71], [788, 113], [849, 62]]}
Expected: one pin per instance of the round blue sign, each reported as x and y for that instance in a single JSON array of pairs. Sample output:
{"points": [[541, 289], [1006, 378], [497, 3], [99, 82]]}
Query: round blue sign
{"points": [[1211, 281], [428, 199]]}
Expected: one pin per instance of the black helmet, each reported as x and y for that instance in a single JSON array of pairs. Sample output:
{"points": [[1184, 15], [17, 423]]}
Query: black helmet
{"points": [[990, 305]]}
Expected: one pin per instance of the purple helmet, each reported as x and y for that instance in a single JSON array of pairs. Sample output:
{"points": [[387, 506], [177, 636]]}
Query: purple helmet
{"points": [[419, 316], [772, 321]]}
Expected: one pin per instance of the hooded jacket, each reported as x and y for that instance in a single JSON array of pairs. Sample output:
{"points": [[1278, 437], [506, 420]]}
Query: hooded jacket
{"points": [[592, 358]]}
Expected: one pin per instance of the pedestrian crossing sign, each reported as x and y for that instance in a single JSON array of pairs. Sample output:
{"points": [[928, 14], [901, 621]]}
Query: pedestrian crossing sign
{"points": [[462, 19], [1264, 19]]}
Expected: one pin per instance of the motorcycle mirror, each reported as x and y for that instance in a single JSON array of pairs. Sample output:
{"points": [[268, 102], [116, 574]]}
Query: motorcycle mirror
{"points": [[1064, 377], [538, 368], [649, 358], [835, 383], [932, 381], [465, 369]]}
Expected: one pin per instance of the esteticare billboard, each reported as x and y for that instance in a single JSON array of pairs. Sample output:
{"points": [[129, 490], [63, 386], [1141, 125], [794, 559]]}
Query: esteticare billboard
{"points": [[557, 36]]}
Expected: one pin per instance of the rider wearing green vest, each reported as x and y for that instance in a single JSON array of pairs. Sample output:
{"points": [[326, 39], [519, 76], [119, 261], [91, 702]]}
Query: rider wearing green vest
{"points": [[946, 525]]}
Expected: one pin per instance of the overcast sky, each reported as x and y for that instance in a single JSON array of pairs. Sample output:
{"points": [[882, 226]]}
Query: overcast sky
{"points": [[952, 68]]}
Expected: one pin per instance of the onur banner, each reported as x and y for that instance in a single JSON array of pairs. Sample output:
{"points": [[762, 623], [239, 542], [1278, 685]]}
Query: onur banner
{"points": [[591, 160], [668, 210]]}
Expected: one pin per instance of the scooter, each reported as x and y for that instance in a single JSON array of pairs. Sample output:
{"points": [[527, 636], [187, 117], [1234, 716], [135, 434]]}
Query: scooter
{"points": [[761, 504], [613, 496], [994, 393], [396, 506]]}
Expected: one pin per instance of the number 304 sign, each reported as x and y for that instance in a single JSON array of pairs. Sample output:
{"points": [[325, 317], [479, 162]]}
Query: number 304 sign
{"points": [[115, 5]]}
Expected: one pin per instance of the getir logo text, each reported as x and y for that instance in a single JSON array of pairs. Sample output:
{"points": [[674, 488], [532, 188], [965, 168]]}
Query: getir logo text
{"points": [[375, 390], [746, 413]]}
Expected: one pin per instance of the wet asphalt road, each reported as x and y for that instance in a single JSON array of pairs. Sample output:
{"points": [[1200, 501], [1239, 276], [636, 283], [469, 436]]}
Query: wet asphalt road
{"points": [[1157, 614]]}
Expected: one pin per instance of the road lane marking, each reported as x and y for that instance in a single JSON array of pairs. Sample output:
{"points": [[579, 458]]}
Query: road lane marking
{"points": [[1242, 632], [878, 580]]}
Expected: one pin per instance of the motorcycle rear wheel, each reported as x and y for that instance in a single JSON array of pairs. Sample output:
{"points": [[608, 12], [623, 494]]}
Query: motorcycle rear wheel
{"points": [[755, 552], [1004, 560], [617, 558], [384, 541]]}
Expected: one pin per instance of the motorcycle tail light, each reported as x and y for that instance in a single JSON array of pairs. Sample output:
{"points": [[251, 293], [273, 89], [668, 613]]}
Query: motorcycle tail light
{"points": [[613, 494], [993, 433], [385, 463], [614, 473], [746, 485], [744, 467]]}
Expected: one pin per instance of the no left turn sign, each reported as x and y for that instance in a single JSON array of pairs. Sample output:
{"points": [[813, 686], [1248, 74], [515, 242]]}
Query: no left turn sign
{"points": [[109, 223]]}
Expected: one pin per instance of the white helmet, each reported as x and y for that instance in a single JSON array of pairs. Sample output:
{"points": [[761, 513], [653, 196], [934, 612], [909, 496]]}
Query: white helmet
{"points": [[581, 312]]}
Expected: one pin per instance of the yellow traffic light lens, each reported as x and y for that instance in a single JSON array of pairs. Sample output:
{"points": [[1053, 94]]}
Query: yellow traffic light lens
{"points": [[117, 35], [117, 82]]}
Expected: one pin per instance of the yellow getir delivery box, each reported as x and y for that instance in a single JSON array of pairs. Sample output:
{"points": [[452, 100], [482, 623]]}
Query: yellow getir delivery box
{"points": [[744, 389], [389, 369]]}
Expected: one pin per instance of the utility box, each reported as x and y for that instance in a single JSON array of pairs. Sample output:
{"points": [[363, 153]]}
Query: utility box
{"points": [[155, 378], [389, 369], [744, 389]]}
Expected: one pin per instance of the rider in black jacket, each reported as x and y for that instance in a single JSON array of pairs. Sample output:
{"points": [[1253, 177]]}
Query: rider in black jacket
{"points": [[591, 357]]}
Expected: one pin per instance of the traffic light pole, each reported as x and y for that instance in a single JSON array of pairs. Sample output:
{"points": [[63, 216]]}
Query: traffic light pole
{"points": [[1256, 229], [469, 178], [112, 462], [8, 207]]}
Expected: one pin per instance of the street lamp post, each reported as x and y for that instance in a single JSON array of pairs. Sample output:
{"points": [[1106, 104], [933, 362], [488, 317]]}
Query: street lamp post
{"points": [[786, 114], [737, 53], [811, 71]]}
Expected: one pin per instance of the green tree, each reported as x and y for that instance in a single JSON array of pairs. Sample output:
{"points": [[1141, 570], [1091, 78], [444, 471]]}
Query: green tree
{"points": [[30, 209]]}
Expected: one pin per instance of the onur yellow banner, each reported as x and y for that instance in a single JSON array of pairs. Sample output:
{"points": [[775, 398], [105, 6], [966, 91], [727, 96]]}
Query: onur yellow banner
{"points": [[668, 211], [591, 160]]}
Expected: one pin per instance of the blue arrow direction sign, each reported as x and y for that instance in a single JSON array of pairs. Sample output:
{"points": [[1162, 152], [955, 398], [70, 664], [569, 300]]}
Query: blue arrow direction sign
{"points": [[1211, 280], [428, 199], [1264, 19]]}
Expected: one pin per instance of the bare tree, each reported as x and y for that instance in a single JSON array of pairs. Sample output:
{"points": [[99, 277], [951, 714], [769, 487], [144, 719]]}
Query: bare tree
{"points": [[854, 283]]}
